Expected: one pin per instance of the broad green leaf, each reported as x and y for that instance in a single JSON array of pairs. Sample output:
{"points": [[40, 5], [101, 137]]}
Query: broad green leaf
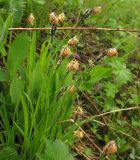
{"points": [[16, 88], [17, 53], [99, 72], [40, 1], [3, 76], [36, 79], [96, 74], [86, 85], [17, 7], [4, 30], [32, 51]]}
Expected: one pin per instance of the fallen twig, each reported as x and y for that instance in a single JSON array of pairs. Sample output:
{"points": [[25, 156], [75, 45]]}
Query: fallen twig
{"points": [[94, 105], [106, 113], [81, 153], [91, 141], [76, 28]]}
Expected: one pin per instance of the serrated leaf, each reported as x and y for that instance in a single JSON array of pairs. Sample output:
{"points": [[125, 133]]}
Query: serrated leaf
{"points": [[111, 89], [99, 72], [57, 151], [123, 75]]}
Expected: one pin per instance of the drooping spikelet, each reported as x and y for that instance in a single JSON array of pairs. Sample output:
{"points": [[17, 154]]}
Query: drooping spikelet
{"points": [[112, 52], [72, 89], [61, 18], [65, 52], [97, 10], [53, 19], [80, 110], [73, 41], [79, 134], [73, 66], [110, 148], [31, 19]]}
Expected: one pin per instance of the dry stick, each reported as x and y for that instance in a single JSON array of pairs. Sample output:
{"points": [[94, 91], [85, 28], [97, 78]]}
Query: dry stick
{"points": [[94, 144], [117, 110], [106, 113], [134, 139], [76, 28], [81, 153], [93, 104]]}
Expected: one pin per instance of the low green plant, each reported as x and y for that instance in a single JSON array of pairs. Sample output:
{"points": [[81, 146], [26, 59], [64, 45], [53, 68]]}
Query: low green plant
{"points": [[35, 96]]}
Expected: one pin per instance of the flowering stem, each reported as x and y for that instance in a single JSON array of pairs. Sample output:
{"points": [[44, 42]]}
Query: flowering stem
{"points": [[53, 30]]}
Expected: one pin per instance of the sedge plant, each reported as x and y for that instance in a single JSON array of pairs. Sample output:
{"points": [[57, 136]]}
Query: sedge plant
{"points": [[36, 100]]}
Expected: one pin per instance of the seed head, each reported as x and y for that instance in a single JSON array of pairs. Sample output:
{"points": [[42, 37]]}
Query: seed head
{"points": [[80, 110], [79, 134], [73, 41], [61, 18], [72, 89], [31, 19], [73, 66], [53, 19], [110, 148], [65, 52], [90, 62], [97, 10], [112, 52]]}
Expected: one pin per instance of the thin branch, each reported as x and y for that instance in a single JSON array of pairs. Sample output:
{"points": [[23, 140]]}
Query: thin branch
{"points": [[81, 153], [91, 141], [76, 28], [106, 113], [117, 110], [94, 105]]}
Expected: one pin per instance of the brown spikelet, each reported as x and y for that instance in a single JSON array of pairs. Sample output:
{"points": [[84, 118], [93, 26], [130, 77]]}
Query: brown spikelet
{"points": [[65, 52], [73, 41], [97, 10], [31, 19], [61, 18], [79, 134], [110, 148], [73, 66], [53, 19], [72, 89], [112, 52]]}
